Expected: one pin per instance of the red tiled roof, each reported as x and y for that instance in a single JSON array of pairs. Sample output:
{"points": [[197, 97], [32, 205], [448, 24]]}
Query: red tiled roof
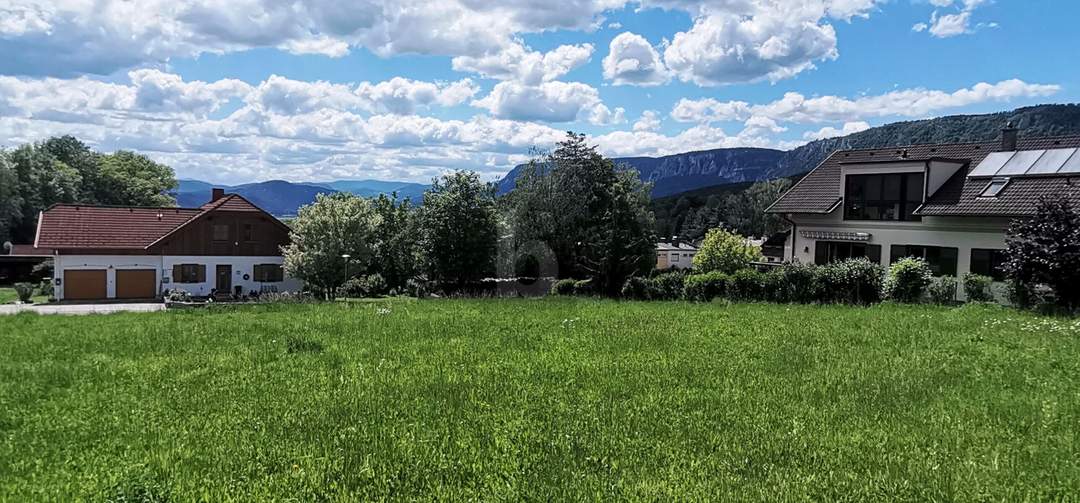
{"points": [[27, 251], [66, 226], [820, 191]]}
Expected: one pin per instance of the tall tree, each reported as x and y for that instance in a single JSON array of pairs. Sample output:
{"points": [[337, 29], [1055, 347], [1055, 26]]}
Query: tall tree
{"points": [[1045, 250], [10, 199], [458, 230], [569, 200], [127, 178], [745, 211], [323, 232], [78, 156], [396, 241], [41, 181]]}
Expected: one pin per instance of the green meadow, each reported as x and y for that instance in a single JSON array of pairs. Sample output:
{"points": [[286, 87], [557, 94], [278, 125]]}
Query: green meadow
{"points": [[551, 399]]}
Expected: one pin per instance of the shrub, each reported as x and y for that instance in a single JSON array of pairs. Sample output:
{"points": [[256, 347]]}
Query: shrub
{"points": [[705, 287], [1045, 250], [943, 290], [796, 282], [47, 289], [177, 295], [584, 287], [666, 286], [746, 284], [372, 285], [285, 298], [852, 281], [563, 287], [416, 288], [978, 288], [724, 251], [25, 291], [635, 288], [907, 280]]}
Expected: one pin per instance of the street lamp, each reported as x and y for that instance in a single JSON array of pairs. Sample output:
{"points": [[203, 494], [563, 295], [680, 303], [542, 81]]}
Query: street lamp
{"points": [[346, 256]]}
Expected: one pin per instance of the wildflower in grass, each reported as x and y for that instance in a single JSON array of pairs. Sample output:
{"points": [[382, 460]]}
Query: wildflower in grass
{"points": [[383, 311]]}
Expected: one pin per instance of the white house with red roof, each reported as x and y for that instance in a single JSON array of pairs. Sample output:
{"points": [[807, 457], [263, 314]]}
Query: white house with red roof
{"points": [[228, 246]]}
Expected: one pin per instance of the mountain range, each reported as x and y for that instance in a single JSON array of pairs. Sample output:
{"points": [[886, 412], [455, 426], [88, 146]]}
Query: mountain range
{"points": [[674, 174], [678, 173], [283, 198]]}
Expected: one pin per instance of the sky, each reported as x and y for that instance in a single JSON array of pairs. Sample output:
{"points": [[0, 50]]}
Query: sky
{"points": [[252, 90]]}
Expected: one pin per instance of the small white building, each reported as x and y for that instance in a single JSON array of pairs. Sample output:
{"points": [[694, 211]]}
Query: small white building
{"points": [[947, 203], [228, 246], [675, 255]]}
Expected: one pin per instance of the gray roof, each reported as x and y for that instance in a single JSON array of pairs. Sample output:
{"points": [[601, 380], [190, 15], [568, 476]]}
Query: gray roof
{"points": [[670, 247], [820, 191]]}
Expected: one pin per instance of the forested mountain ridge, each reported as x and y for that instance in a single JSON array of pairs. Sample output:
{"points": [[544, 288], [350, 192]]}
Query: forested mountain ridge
{"points": [[692, 170]]}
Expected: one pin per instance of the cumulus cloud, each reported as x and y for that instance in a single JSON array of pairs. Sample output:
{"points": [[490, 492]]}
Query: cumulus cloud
{"points": [[553, 101], [517, 62], [831, 132], [632, 60], [795, 107], [397, 95], [955, 23], [649, 121]]}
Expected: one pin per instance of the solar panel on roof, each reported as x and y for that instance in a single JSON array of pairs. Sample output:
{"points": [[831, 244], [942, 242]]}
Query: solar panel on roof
{"points": [[1072, 164], [1051, 161], [991, 165], [1021, 162]]}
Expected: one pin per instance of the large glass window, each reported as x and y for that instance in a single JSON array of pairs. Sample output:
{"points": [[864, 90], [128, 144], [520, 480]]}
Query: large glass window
{"points": [[891, 196], [834, 251], [988, 263], [268, 273], [942, 260]]}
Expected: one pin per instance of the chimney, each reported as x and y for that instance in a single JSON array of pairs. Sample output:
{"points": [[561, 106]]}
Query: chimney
{"points": [[675, 241], [1009, 137], [216, 194]]}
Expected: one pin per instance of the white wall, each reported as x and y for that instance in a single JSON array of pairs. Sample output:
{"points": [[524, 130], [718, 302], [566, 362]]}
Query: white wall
{"points": [[164, 267], [963, 233]]}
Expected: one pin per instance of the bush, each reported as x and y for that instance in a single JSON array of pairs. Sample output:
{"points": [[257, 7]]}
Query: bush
{"points": [[746, 284], [724, 251], [943, 290], [978, 288], [177, 295], [1045, 250], [635, 288], [25, 291], [46, 289], [584, 288], [795, 282], [285, 298], [416, 288], [666, 286], [907, 280], [705, 287], [852, 281], [372, 285], [563, 287]]}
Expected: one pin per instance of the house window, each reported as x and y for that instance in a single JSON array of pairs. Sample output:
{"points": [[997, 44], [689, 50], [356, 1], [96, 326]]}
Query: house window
{"points": [[994, 187], [674, 257], [221, 232], [268, 273], [249, 232], [892, 196], [942, 260], [988, 263], [834, 251], [189, 273]]}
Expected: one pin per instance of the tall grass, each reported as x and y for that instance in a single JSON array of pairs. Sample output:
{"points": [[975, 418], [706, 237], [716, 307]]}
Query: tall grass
{"points": [[540, 400]]}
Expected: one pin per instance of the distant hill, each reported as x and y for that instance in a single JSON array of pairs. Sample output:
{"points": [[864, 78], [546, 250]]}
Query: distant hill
{"points": [[283, 198], [678, 173]]}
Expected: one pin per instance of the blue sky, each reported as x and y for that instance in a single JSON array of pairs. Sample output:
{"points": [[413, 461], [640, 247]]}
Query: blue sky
{"points": [[250, 90]]}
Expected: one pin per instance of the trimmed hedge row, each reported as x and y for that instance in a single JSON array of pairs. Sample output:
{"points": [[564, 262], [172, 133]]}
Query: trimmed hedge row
{"points": [[855, 281]]}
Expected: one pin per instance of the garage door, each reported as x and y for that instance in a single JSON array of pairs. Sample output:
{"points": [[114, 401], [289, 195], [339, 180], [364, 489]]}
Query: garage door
{"points": [[84, 284], [136, 283]]}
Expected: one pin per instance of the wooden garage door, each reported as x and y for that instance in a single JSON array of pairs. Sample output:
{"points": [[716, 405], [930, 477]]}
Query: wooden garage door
{"points": [[136, 283], [84, 284]]}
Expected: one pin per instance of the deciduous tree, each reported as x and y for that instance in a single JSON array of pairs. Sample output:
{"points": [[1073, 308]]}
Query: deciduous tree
{"points": [[322, 232], [458, 230], [1045, 250]]}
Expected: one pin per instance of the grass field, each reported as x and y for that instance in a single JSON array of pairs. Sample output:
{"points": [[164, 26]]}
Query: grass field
{"points": [[8, 296], [541, 400]]}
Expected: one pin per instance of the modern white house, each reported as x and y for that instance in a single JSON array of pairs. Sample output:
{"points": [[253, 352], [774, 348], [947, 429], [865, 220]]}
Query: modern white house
{"points": [[675, 255], [948, 203], [228, 246]]}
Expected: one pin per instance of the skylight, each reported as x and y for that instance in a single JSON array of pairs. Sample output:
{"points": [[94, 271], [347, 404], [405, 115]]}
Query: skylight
{"points": [[994, 187]]}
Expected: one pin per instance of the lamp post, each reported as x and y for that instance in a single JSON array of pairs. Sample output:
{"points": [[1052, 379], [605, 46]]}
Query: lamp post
{"points": [[346, 256]]}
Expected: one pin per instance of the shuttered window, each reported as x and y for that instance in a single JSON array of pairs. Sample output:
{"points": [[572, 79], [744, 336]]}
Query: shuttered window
{"points": [[268, 273], [189, 273]]}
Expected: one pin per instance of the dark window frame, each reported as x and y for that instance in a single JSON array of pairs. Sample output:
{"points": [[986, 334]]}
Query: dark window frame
{"points": [[859, 208], [934, 255], [993, 259], [214, 232], [826, 252], [189, 273], [268, 273], [248, 232]]}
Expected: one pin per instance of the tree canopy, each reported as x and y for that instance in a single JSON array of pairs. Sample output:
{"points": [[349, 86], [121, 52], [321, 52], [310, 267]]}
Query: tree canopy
{"points": [[458, 229], [1045, 250], [324, 232], [724, 251]]}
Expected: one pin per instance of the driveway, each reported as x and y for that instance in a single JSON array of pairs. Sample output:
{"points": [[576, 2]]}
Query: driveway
{"points": [[81, 308]]}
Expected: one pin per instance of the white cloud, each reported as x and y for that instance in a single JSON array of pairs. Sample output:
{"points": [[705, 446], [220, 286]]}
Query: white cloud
{"points": [[649, 121], [520, 63], [632, 60], [614, 25], [553, 101], [397, 95], [955, 23], [831, 132], [795, 107], [727, 48]]}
